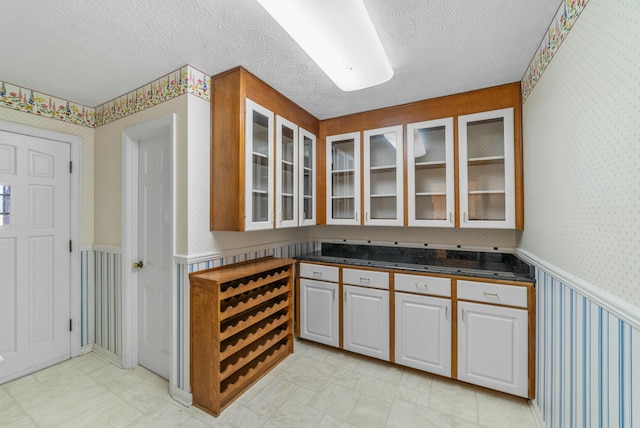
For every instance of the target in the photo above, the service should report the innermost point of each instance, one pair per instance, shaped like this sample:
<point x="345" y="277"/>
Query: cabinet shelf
<point x="260" y="155"/>
<point x="486" y="192"/>
<point x="342" y="171"/>
<point x="259" y="192"/>
<point x="383" y="168"/>
<point x="384" y="195"/>
<point x="431" y="194"/>
<point x="430" y="165"/>
<point x="241" y="327"/>
<point x="489" y="160"/>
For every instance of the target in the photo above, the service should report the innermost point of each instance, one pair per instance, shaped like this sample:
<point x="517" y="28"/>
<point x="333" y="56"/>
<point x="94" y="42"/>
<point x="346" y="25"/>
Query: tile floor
<point x="314" y="387"/>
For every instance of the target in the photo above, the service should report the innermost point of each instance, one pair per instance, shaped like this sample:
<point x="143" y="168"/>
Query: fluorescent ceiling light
<point x="339" y="36"/>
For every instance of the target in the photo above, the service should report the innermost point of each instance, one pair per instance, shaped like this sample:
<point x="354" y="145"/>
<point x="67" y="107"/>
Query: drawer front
<point x="366" y="278"/>
<point x="485" y="292"/>
<point x="319" y="272"/>
<point x="423" y="284"/>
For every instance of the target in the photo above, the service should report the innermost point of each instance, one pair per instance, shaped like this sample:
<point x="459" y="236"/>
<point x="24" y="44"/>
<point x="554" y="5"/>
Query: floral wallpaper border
<point x="185" y="80"/>
<point x="567" y="14"/>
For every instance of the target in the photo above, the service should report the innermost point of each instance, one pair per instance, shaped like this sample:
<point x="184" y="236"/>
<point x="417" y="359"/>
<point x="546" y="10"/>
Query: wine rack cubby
<point x="241" y="327"/>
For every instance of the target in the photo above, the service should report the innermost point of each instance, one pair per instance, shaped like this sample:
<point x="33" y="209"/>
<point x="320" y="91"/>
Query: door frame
<point x="130" y="146"/>
<point x="75" y="217"/>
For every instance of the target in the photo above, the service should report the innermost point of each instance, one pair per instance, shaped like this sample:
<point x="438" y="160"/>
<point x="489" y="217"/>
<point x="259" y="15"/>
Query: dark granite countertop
<point x="478" y="264"/>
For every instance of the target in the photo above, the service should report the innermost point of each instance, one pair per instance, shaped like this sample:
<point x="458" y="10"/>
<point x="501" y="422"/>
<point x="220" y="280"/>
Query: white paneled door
<point x="34" y="253"/>
<point x="154" y="250"/>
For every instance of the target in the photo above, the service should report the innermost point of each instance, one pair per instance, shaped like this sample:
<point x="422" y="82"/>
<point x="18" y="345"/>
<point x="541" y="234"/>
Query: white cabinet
<point x="430" y="172"/>
<point x="383" y="177"/>
<point x="343" y="179"/>
<point x="286" y="173"/>
<point x="319" y="311"/>
<point x="307" y="179"/>
<point x="259" y="143"/>
<point x="486" y="169"/>
<point x="423" y="333"/>
<point x="366" y="321"/>
<point x="493" y="347"/>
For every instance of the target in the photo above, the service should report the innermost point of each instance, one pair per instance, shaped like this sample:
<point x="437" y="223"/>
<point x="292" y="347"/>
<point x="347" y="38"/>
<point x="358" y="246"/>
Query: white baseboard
<point x="182" y="397"/>
<point x="107" y="355"/>
<point x="86" y="349"/>
<point x="536" y="414"/>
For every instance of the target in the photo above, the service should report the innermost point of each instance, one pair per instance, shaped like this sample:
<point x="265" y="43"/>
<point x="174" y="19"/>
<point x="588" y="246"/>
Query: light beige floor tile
<point x="108" y="373"/>
<point x="503" y="411"/>
<point x="257" y="389"/>
<point x="335" y="400"/>
<point x="369" y="412"/>
<point x="377" y="388"/>
<point x="343" y="360"/>
<point x="414" y="396"/>
<point x="332" y="422"/>
<point x="408" y="415"/>
<point x="240" y="417"/>
<point x="148" y="395"/>
<point x="345" y="377"/>
<point x="67" y="406"/>
<point x="125" y="379"/>
<point x="415" y="380"/>
<point x="17" y="386"/>
<point x="114" y="412"/>
<point x="39" y="393"/>
<point x="10" y="411"/>
<point x="169" y="415"/>
<point x="303" y="395"/>
<point x="293" y="414"/>
<point x="380" y="370"/>
<point x="307" y="372"/>
<point x="89" y="363"/>
<point x="275" y="395"/>
<point x="195" y="423"/>
<point x="454" y="399"/>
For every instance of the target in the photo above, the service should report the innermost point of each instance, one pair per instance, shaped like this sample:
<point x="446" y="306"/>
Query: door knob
<point x="138" y="265"/>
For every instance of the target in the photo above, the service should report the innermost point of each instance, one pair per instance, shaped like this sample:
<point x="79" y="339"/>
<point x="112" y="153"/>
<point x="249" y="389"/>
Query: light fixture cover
<point x="339" y="36"/>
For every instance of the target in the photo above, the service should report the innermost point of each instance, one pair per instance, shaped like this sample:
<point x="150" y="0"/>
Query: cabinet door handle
<point x="317" y="274"/>
<point x="364" y="280"/>
<point x="366" y="216"/>
<point x="465" y="217"/>
<point x="450" y="217"/>
<point x="422" y="285"/>
<point x="462" y="315"/>
<point x="356" y="216"/>
<point x="487" y="294"/>
<point x="333" y="294"/>
<point x="345" y="295"/>
<point x="446" y="312"/>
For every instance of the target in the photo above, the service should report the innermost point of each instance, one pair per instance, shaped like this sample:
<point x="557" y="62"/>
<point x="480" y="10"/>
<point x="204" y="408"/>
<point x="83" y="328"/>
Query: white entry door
<point x="34" y="253"/>
<point x="155" y="253"/>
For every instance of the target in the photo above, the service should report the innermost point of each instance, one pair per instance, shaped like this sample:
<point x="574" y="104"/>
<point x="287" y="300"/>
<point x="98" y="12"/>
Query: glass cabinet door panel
<point x="343" y="178"/>
<point x="307" y="165"/>
<point x="259" y="167"/>
<point x="486" y="166"/>
<point x="383" y="176"/>
<point x="430" y="174"/>
<point x="286" y="173"/>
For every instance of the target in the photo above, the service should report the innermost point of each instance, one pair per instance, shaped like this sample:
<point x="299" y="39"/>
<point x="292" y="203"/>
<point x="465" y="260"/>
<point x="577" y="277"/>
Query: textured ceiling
<point x="90" y="52"/>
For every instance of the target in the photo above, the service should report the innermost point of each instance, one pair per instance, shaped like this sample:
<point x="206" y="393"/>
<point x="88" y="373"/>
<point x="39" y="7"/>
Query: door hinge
<point x="70" y="246"/>
<point x="70" y="167"/>
<point x="70" y="324"/>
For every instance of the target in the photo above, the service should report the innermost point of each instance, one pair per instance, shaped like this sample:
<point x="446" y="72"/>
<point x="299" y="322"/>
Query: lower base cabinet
<point x="423" y="333"/>
<point x="319" y="320"/>
<point x="492" y="347"/>
<point x="366" y="321"/>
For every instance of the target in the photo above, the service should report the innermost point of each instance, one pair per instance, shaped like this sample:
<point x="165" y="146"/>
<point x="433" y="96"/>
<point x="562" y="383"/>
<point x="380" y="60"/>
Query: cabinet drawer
<point x="366" y="278"/>
<point x="423" y="284"/>
<point x="485" y="292"/>
<point x="319" y="272"/>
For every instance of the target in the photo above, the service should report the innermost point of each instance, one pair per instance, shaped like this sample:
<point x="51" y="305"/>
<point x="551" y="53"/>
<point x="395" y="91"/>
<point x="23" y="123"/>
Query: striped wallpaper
<point x="107" y="277"/>
<point x="588" y="360"/>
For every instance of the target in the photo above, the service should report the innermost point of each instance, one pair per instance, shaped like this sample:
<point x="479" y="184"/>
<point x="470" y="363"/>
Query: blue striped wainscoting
<point x="588" y="361"/>
<point x="108" y="300"/>
<point x="86" y="297"/>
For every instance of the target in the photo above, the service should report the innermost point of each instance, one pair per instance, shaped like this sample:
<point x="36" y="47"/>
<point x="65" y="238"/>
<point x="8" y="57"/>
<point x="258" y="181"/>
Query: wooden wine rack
<point x="241" y="327"/>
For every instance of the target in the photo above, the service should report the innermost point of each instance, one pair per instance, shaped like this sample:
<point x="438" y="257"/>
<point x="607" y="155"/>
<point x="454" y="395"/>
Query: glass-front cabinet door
<point x="307" y="171"/>
<point x="286" y="173"/>
<point x="258" y="209"/>
<point x="343" y="179"/>
<point x="430" y="172"/>
<point x="383" y="175"/>
<point x="486" y="169"/>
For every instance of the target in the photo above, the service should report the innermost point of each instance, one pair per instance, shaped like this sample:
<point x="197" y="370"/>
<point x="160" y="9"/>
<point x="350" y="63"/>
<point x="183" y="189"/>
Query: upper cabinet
<point x="430" y="173"/>
<point x="459" y="164"/>
<point x="259" y="174"/>
<point x="287" y="178"/>
<point x="263" y="156"/>
<point x="343" y="179"/>
<point x="486" y="168"/>
<point x="383" y="177"/>
<point x="307" y="180"/>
